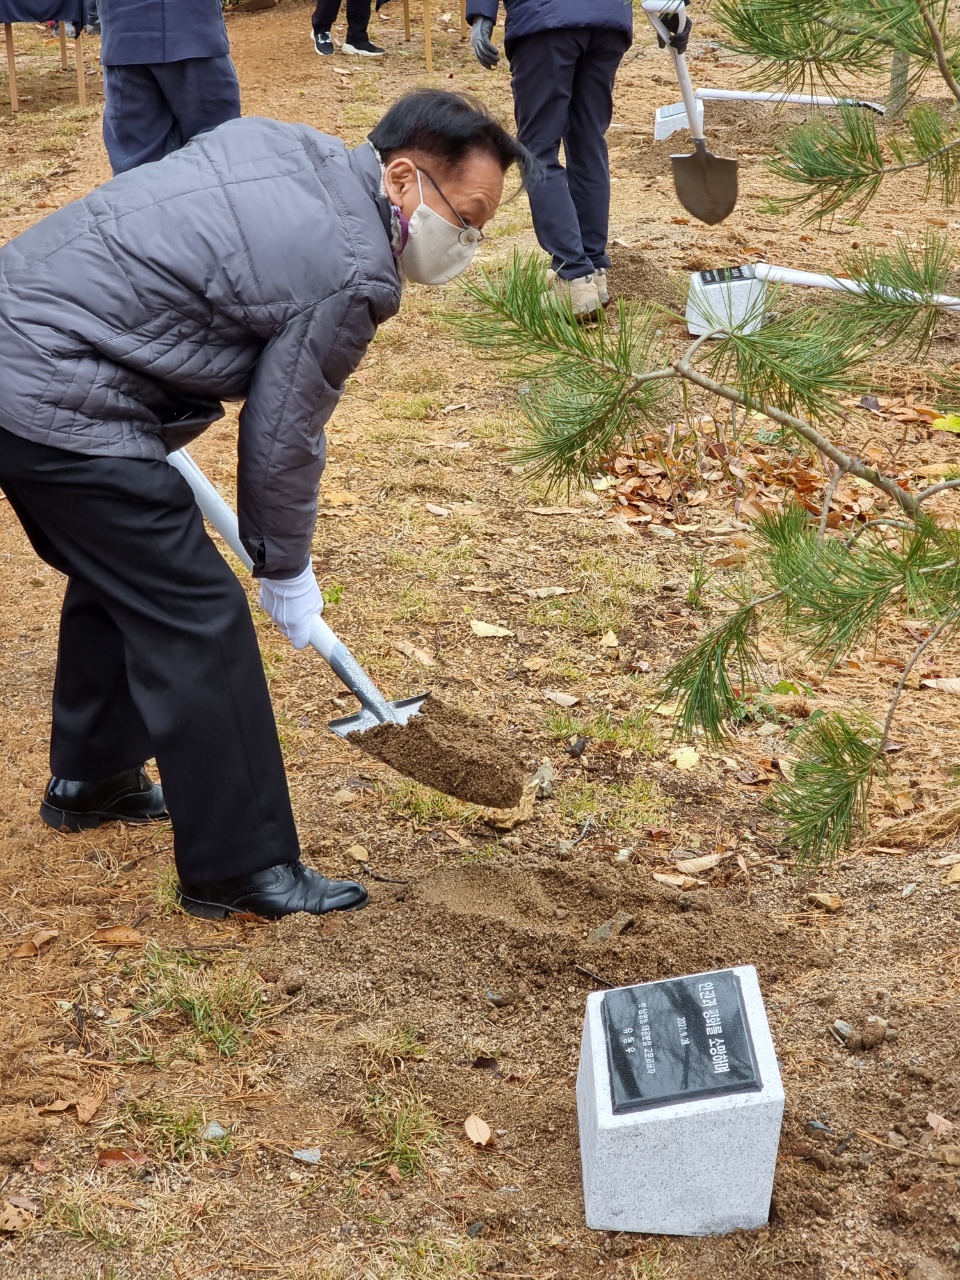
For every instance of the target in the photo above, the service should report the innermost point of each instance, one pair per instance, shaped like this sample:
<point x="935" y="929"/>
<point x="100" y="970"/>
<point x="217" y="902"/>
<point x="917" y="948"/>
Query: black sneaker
<point x="365" y="48"/>
<point x="323" y="43"/>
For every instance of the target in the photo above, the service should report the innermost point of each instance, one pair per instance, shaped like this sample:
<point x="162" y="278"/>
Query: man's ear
<point x="399" y="177"/>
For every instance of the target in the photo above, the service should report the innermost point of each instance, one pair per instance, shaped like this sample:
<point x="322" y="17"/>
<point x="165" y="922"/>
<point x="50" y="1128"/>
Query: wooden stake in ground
<point x="81" y="74"/>
<point x="11" y="66"/>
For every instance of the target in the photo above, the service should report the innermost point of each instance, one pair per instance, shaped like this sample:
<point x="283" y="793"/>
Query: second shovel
<point x="706" y="184"/>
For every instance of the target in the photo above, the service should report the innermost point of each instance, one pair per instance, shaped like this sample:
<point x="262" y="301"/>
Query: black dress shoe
<point x="129" y="796"/>
<point x="275" y="892"/>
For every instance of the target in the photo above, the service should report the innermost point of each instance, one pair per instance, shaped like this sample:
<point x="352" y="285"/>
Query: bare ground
<point x="366" y="1041"/>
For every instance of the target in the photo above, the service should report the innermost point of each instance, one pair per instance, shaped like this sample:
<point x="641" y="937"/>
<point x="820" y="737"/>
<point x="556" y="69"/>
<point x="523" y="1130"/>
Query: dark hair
<point x="448" y="126"/>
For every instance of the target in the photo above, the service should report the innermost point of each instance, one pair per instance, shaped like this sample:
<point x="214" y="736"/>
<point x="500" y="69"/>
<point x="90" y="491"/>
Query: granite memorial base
<point x="679" y="1102"/>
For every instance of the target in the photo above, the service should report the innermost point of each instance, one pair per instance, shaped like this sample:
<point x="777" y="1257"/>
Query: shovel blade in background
<point x="401" y="712"/>
<point x="706" y="184"/>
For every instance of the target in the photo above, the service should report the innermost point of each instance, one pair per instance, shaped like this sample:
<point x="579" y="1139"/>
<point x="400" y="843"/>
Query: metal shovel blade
<point x="400" y="712"/>
<point x="706" y="184"/>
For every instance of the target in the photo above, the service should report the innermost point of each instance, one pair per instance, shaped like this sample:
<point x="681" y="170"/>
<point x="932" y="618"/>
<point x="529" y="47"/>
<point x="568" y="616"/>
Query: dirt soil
<point x="182" y="1101"/>
<point x="449" y="750"/>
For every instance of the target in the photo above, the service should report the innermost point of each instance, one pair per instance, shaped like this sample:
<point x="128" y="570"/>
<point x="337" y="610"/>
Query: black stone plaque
<point x="678" y="1040"/>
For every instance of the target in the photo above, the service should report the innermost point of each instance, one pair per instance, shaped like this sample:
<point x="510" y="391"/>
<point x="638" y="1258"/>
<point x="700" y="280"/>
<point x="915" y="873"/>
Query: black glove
<point x="488" y="55"/>
<point x="679" y="35"/>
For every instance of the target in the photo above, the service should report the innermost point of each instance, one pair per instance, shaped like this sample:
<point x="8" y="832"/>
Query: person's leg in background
<point x="138" y="125"/>
<point x="200" y="92"/>
<point x="358" y="22"/>
<point x="324" y="16"/>
<point x="585" y="144"/>
<point x="133" y="533"/>
<point x="543" y="70"/>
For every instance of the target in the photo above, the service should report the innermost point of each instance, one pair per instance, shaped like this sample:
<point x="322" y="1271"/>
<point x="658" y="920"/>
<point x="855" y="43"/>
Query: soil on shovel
<point x="450" y="751"/>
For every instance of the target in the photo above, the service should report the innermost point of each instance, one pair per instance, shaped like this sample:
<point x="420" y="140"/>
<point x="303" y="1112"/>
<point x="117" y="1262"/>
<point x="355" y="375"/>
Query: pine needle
<point x="824" y="802"/>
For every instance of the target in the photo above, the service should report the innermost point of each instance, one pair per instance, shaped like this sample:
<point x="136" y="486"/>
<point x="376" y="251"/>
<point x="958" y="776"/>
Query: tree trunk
<point x="899" y="74"/>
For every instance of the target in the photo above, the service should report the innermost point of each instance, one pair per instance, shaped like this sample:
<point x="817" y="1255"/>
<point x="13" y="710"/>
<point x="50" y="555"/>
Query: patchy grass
<point x="389" y="1047"/>
<point x="403" y="1128"/>
<point x="423" y="805"/>
<point x="609" y="587"/>
<point x="415" y="603"/>
<point x="634" y="732"/>
<point x="625" y="806"/>
<point x="169" y="1133"/>
<point x="221" y="1003"/>
<point x="432" y="563"/>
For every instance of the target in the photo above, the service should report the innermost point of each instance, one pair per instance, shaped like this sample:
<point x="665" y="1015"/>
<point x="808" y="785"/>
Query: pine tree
<point x="820" y="44"/>
<point x="590" y="392"/>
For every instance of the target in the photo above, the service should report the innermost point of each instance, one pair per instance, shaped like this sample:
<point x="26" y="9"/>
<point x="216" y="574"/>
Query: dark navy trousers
<point x="563" y="92"/>
<point x="358" y="17"/>
<point x="155" y="108"/>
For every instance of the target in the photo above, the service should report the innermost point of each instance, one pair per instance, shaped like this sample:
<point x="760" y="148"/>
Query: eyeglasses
<point x="468" y="235"/>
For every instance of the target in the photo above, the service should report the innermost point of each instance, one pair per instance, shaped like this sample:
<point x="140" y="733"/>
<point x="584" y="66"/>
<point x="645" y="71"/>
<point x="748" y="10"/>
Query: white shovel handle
<point x="221" y="515"/>
<point x="652" y="8"/>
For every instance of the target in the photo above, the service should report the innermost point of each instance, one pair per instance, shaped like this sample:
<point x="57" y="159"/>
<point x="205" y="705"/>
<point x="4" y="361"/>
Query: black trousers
<point x="563" y="92"/>
<point x="358" y="17"/>
<point x="154" y="109"/>
<point x="158" y="655"/>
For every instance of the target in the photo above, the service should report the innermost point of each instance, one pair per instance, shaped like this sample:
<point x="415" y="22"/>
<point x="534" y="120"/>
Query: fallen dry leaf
<point x="507" y="819"/>
<point x="695" y="866"/>
<point x="435" y="510"/>
<point x="411" y="651"/>
<point x="477" y="1130"/>
<point x="674" y="882"/>
<point x="339" y="498"/>
<point x="60" y="1104"/>
<point x="533" y="664"/>
<point x="561" y="699"/>
<point x="13" y="1218"/>
<point x="393" y="1173"/>
<point x="947" y="1155"/>
<point x="118" y="935"/>
<point x="113" y="1156"/>
<point x="87" y="1108"/>
<point x="488" y="629"/>
<point x="547" y="593"/>
<point x="953" y="875"/>
<point x="609" y="641"/>
<point x="33" y="946"/>
<point x="940" y="1125"/>
<point x="945" y="686"/>
<point x="358" y="853"/>
<point x="685" y="757"/>
<point x="948" y="860"/>
<point x="556" y="511"/>
<point x="826" y="901"/>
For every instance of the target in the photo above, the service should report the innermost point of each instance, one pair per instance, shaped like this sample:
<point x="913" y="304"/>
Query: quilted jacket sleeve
<point x="295" y="389"/>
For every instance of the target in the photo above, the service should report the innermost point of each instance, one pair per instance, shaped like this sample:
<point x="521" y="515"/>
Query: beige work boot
<point x="581" y="294"/>
<point x="603" y="288"/>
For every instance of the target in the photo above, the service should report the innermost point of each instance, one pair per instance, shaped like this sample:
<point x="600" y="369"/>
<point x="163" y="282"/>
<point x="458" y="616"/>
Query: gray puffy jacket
<point x="255" y="262"/>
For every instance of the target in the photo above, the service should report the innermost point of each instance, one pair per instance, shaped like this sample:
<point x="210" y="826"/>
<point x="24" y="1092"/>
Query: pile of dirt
<point x="451" y="751"/>
<point x="636" y="278"/>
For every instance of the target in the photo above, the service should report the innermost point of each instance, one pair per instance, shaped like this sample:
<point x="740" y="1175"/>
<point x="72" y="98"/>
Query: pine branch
<point x="936" y="37"/>
<point x="848" y="464"/>
<point x="824" y="801"/>
<point x="897" y="305"/>
<point x="838" y="162"/>
<point x="700" y="682"/>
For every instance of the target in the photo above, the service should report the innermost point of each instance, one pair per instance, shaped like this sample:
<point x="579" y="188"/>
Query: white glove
<point x="292" y="604"/>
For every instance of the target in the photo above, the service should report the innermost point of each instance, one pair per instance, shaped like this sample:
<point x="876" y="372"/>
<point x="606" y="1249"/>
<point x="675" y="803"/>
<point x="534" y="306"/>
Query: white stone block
<point x="698" y="1166"/>
<point x="725" y="298"/>
<point x="672" y="118"/>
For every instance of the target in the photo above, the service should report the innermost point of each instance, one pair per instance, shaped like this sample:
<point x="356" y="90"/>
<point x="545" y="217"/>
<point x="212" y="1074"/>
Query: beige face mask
<point x="436" y="250"/>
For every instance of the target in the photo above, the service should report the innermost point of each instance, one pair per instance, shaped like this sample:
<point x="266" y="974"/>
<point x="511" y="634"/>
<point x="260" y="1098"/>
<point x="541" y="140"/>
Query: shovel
<point x="706" y="184"/>
<point x="374" y="707"/>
